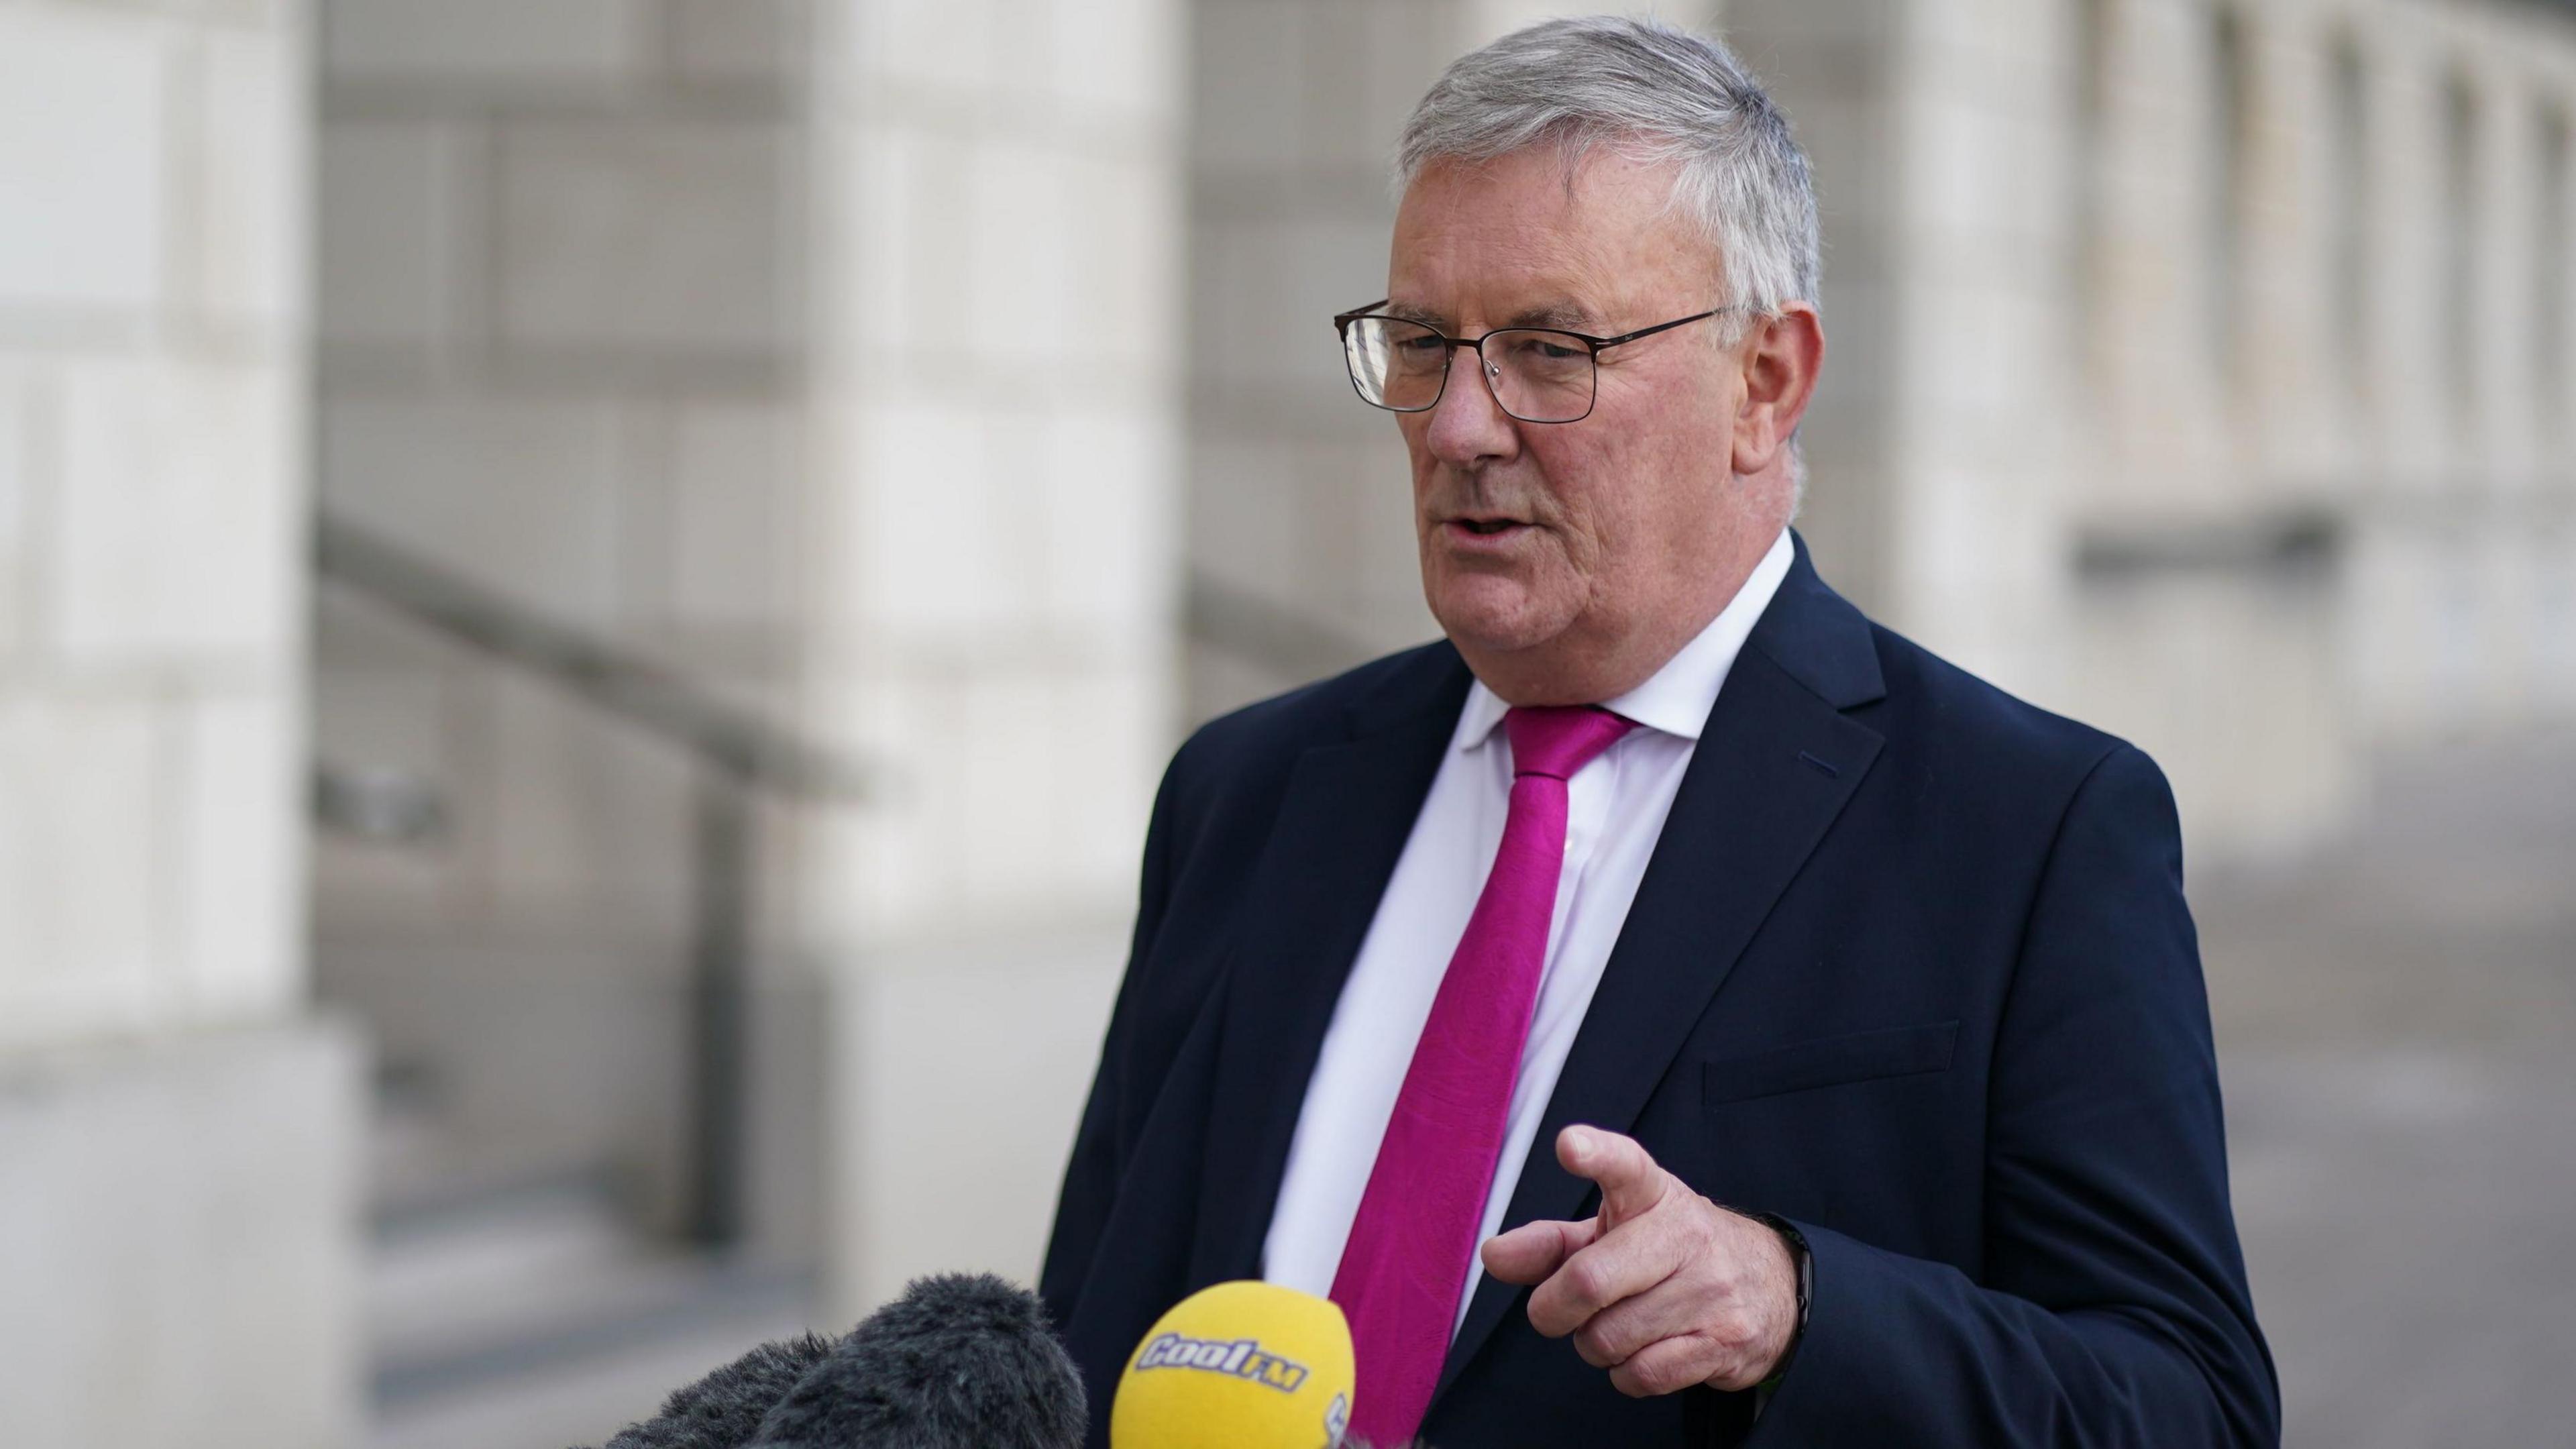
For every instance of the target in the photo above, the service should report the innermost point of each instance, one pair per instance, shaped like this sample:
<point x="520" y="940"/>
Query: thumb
<point x="1631" y="1184"/>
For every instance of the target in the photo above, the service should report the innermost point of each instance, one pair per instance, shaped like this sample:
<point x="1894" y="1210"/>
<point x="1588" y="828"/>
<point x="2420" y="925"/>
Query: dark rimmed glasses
<point x="1537" y="374"/>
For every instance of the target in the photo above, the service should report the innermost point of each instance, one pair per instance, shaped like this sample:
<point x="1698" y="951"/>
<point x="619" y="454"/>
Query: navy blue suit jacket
<point x="1910" y="967"/>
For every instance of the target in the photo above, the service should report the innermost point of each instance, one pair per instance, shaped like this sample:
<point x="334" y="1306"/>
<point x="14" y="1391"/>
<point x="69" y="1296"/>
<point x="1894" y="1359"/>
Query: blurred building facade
<point x="178" y="1133"/>
<point x="946" y="391"/>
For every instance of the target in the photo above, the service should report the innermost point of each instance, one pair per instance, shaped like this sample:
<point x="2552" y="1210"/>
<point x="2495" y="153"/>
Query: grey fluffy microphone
<point x="961" y="1361"/>
<point x="724" y="1409"/>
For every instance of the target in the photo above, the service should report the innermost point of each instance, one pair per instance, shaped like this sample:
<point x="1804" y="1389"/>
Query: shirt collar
<point x="1676" y="699"/>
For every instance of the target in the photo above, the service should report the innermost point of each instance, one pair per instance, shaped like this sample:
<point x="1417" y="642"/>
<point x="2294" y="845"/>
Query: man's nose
<point x="1467" y="426"/>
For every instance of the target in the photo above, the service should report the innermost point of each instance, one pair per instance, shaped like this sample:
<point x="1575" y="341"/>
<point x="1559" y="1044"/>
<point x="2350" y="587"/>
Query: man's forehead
<point x="1522" y="241"/>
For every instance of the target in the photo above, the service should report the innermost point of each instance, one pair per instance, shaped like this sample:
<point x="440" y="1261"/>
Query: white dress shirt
<point x="1615" y="809"/>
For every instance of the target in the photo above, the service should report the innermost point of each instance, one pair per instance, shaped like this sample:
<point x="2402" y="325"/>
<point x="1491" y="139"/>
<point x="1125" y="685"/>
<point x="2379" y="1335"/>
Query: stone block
<point x="83" y="925"/>
<point x="1121" y="728"/>
<point x="893" y="868"/>
<point x="1247" y="65"/>
<point x="17" y="490"/>
<point x="518" y="496"/>
<point x="1110" y="504"/>
<point x="490" y="41"/>
<point x="1001" y="1032"/>
<point x="1244" y="515"/>
<point x="1118" y="58"/>
<point x="939" y="45"/>
<point x="1125" y="241"/>
<point x="738" y="40"/>
<point x="178" y="527"/>
<point x="248" y="150"/>
<point x="911" y="244"/>
<point x="1366" y="64"/>
<point x="943" y="550"/>
<point x="1010" y="759"/>
<point x="583" y="818"/>
<point x="84" y="119"/>
<point x="666" y="239"/>
<point x="1271" y="289"/>
<point x="179" y="1230"/>
<point x="239" y="861"/>
<point x="392" y="234"/>
<point x="1021" y="232"/>
<point x="733" y="552"/>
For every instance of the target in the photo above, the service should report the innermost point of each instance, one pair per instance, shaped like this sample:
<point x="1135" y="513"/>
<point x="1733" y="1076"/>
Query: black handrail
<point x="738" y="751"/>
<point x="617" y="679"/>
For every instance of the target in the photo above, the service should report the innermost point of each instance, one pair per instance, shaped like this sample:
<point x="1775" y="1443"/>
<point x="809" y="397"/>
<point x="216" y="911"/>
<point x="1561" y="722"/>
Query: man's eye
<point x="1542" y="349"/>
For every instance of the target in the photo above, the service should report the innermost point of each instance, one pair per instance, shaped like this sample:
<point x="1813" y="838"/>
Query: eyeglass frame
<point x="1342" y="329"/>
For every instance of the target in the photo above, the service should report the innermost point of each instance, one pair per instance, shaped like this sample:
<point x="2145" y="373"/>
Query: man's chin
<point x="1493" y="616"/>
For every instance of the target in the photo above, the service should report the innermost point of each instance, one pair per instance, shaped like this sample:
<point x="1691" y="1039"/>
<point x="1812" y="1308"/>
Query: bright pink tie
<point x="1407" y="1257"/>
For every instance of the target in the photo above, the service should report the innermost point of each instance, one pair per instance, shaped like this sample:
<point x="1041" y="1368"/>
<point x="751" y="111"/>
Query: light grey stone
<point x="516" y="494"/>
<point x="484" y="41"/>
<point x="248" y="149"/>
<point x="176" y="528"/>
<point x="662" y="238"/>
<point x="84" y="921"/>
<point x="17" y="489"/>
<point x="178" y="1226"/>
<point x="84" y="122"/>
<point x="926" y="1021"/>
<point x="238" y="854"/>
<point x="733" y="556"/>
<point x="762" y="40"/>
<point x="392" y="233"/>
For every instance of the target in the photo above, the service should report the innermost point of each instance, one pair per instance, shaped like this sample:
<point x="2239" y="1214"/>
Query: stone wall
<point x="996" y="438"/>
<point x="827" y="351"/>
<point x="176" y="1204"/>
<point x="562" y="328"/>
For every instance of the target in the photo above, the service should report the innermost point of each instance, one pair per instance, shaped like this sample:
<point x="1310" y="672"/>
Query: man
<point x="1673" y="1009"/>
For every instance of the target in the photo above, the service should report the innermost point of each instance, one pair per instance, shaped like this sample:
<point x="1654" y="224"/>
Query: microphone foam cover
<point x="1243" y="1365"/>
<point x="960" y="1361"/>
<point x="722" y="1410"/>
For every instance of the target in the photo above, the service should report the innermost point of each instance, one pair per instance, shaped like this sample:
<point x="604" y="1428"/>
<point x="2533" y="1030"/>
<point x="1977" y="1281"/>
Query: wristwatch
<point x="1797" y="1242"/>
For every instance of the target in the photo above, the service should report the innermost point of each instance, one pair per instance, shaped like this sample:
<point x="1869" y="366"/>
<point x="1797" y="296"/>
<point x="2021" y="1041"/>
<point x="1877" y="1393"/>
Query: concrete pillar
<point x="998" y="346"/>
<point x="177" y="1143"/>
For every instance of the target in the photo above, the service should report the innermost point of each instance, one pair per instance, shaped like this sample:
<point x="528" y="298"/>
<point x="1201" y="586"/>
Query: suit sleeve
<point x="1091" y="1176"/>
<point x="2112" y="1308"/>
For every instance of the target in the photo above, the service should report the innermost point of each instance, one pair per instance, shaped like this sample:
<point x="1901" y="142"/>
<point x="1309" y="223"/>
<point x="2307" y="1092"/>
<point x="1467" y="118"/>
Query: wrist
<point x="1802" y="1275"/>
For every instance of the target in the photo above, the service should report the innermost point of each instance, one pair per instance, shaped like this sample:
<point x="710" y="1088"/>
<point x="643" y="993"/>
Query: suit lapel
<point x="1349" y="807"/>
<point x="1752" y="806"/>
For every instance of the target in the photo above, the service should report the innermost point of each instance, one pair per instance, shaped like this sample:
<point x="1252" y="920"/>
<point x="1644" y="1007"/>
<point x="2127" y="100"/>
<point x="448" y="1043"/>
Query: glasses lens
<point x="1396" y="364"/>
<point x="1540" y="376"/>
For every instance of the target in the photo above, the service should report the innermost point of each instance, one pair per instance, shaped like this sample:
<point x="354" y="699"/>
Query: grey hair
<point x="1653" y="93"/>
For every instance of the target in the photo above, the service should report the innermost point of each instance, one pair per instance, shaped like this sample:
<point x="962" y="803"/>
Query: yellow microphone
<point x="1242" y="1365"/>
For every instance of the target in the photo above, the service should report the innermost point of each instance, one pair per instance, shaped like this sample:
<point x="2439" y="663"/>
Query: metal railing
<point x="737" y="753"/>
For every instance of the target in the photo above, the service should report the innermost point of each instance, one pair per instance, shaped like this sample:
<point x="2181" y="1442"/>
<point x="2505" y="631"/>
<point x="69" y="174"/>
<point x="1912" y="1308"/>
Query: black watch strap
<point x="1797" y="1242"/>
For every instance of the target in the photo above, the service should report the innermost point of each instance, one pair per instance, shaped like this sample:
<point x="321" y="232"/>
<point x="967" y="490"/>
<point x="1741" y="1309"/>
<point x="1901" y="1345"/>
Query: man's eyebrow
<point x="1560" y="313"/>
<point x="1554" y="314"/>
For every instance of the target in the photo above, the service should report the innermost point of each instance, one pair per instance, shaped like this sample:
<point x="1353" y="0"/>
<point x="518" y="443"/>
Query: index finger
<point x="1631" y="1182"/>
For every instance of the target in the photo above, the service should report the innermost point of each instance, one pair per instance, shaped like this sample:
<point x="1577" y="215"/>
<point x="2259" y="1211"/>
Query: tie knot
<point x="1557" y="740"/>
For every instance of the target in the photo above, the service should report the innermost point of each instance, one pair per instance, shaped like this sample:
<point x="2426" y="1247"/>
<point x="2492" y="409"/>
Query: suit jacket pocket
<point x="1828" y="1062"/>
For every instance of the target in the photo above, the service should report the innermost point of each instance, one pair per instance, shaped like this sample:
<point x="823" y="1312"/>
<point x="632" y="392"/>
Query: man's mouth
<point x="1488" y="525"/>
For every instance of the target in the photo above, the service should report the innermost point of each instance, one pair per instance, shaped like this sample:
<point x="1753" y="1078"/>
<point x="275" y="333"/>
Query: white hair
<point x="1653" y="93"/>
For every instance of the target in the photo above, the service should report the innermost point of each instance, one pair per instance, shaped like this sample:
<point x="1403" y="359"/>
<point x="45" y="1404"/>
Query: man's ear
<point x="1781" y="356"/>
